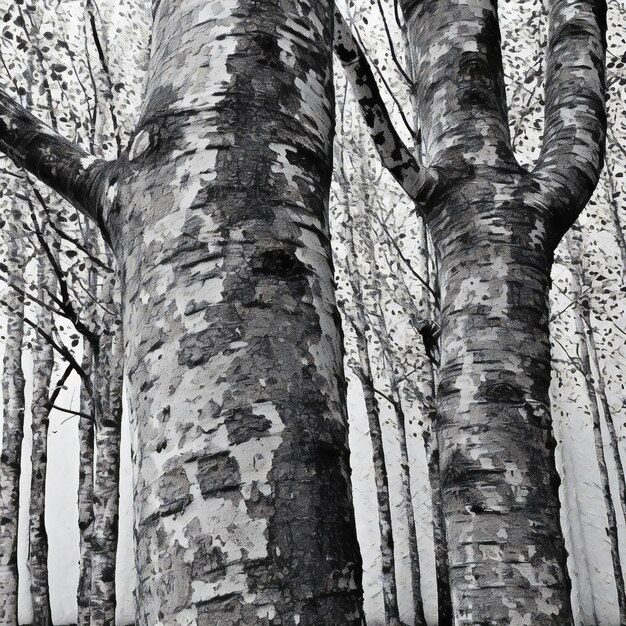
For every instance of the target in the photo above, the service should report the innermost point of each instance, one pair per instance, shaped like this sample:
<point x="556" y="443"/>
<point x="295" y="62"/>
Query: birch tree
<point x="217" y="218"/>
<point x="495" y="225"/>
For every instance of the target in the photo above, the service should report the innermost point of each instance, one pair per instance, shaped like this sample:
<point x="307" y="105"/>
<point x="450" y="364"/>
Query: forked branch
<point x="575" y="120"/>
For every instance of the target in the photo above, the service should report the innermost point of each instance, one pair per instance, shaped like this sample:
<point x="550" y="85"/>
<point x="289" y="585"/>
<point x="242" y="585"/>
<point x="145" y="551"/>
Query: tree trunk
<point x="407" y="499"/>
<point x="598" y="405"/>
<point x="12" y="431"/>
<point x="85" y="487"/>
<point x="108" y="382"/>
<point x="363" y="372"/>
<point x="495" y="226"/>
<point x="243" y="512"/>
<point x="499" y="481"/>
<point x="43" y="365"/>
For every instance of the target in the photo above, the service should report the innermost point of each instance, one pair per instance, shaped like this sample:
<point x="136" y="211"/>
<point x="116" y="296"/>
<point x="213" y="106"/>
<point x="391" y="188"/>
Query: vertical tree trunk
<point x="598" y="403"/>
<point x="43" y="365"/>
<point x="363" y="372"/>
<point x="85" y="487"/>
<point x="407" y="499"/>
<point x="12" y="431"/>
<point x="242" y="497"/>
<point x="495" y="226"/>
<point x="507" y="557"/>
<point x="108" y="382"/>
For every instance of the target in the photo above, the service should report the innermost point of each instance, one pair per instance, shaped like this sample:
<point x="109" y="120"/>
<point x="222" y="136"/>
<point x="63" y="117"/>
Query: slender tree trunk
<point x="12" y="432"/>
<point x="407" y="499"/>
<point x="43" y="365"/>
<point x="364" y="374"/>
<point x="431" y="445"/>
<point x="85" y="488"/>
<point x="108" y="382"/>
<point x="598" y="403"/>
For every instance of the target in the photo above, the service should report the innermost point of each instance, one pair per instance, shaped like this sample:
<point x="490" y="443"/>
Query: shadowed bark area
<point x="242" y="499"/>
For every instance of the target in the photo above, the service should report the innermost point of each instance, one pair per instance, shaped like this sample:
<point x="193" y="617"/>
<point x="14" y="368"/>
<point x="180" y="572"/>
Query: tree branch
<point x="417" y="181"/>
<point x="575" y="119"/>
<point x="79" y="177"/>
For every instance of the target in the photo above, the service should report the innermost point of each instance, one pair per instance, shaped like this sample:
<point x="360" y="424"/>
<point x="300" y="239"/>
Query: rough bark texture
<point x="108" y="383"/>
<point x="12" y="434"/>
<point x="495" y="227"/>
<point x="85" y="488"/>
<point x="43" y="365"/>
<point x="218" y="216"/>
<point x="242" y="499"/>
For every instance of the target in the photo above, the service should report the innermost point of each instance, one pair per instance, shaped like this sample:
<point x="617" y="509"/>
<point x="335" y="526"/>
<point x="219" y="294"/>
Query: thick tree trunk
<point x="12" y="433"/>
<point x="495" y="227"/>
<point x="242" y="499"/>
<point x="43" y="365"/>
<point x="218" y="217"/>
<point x="499" y="481"/>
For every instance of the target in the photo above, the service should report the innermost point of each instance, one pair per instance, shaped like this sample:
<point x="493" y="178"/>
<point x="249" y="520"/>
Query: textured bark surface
<point x="43" y="365"/>
<point x="495" y="227"/>
<point x="12" y="434"/>
<point x="242" y="498"/>
<point x="499" y="483"/>
<point x="108" y="383"/>
<point x="85" y="488"/>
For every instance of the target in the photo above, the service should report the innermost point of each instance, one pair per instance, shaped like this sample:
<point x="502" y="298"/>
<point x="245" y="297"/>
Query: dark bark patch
<point x="281" y="263"/>
<point x="173" y="492"/>
<point x="243" y="425"/>
<point x="218" y="474"/>
<point x="501" y="392"/>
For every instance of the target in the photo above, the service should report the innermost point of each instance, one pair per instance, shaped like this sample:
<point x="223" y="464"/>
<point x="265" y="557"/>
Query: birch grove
<point x="210" y="208"/>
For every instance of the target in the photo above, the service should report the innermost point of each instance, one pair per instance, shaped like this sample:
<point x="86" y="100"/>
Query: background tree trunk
<point x="13" y="384"/>
<point x="43" y="365"/>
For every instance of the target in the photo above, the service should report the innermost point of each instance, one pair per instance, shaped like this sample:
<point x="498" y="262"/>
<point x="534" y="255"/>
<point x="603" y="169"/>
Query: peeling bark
<point x="43" y="365"/>
<point x="12" y="433"/>
<point x="242" y="508"/>
<point x="218" y="217"/>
